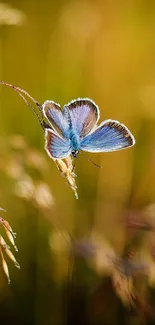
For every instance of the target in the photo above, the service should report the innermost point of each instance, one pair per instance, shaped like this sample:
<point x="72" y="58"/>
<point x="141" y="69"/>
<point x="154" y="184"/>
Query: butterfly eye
<point x="75" y="153"/>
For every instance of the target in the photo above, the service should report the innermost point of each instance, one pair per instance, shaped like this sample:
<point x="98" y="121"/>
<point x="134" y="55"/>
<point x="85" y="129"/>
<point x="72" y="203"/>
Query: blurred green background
<point x="61" y="50"/>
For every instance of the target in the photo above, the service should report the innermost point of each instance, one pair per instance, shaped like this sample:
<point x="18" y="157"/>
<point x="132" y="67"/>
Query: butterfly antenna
<point x="94" y="163"/>
<point x="20" y="92"/>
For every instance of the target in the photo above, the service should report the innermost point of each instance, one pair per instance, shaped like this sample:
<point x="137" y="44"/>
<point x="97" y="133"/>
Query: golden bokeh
<point x="75" y="254"/>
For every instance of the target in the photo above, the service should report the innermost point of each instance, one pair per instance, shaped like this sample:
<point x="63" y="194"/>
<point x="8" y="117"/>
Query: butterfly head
<point x="75" y="153"/>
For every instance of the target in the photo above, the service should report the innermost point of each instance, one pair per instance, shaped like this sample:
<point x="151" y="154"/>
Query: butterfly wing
<point x="110" y="135"/>
<point x="83" y="114"/>
<point x="52" y="111"/>
<point x="56" y="146"/>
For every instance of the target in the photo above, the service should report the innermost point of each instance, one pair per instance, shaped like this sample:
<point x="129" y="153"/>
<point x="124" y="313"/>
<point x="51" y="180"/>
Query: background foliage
<point x="61" y="50"/>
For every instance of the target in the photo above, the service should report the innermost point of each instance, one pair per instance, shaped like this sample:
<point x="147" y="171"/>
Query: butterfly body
<point x="74" y="140"/>
<point x="75" y="128"/>
<point x="71" y="133"/>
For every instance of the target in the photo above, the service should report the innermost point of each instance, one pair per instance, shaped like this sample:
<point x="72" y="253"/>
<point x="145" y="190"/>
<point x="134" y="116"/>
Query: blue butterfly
<point x="75" y="128"/>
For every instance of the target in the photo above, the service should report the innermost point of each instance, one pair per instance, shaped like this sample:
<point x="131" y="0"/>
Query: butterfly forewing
<point x="52" y="111"/>
<point x="110" y="135"/>
<point x="83" y="114"/>
<point x="56" y="146"/>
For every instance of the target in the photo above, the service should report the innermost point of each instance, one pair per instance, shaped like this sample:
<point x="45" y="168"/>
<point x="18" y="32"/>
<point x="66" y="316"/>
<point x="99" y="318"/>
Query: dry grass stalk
<point x="66" y="168"/>
<point x="3" y="246"/>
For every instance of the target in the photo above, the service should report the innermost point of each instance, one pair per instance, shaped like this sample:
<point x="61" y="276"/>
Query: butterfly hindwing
<point x="83" y="115"/>
<point x="56" y="146"/>
<point x="109" y="136"/>
<point x="52" y="111"/>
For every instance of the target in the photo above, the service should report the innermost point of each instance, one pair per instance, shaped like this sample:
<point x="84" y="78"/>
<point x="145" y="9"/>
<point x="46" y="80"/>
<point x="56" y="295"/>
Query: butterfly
<point x="75" y="128"/>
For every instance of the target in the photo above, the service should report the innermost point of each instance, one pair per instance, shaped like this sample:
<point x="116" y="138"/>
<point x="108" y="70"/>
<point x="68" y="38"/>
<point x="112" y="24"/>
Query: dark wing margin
<point x="56" y="146"/>
<point x="110" y="135"/>
<point x="83" y="114"/>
